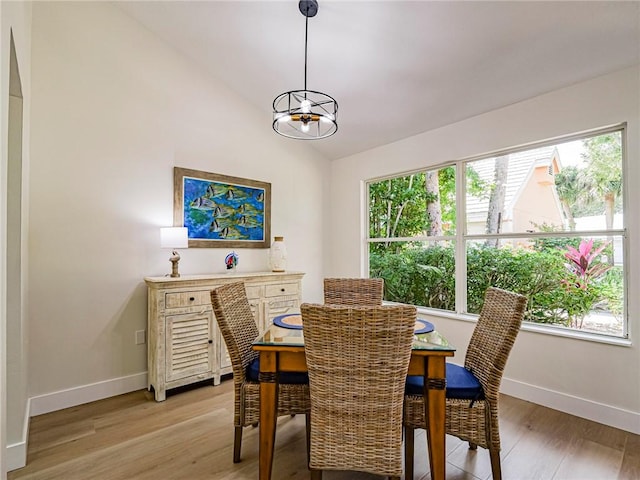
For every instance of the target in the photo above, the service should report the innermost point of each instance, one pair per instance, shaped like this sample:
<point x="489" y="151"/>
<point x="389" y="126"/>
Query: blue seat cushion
<point x="461" y="383"/>
<point x="253" y="371"/>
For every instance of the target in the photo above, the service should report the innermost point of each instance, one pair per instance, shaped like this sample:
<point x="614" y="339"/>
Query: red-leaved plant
<point x="585" y="270"/>
<point x="582" y="262"/>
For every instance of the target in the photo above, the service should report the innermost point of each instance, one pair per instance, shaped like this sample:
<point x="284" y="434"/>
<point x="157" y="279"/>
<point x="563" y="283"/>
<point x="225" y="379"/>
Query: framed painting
<point x="220" y="211"/>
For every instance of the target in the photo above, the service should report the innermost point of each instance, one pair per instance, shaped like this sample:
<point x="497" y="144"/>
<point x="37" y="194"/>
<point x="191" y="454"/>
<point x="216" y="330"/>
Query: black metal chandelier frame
<point x="305" y="114"/>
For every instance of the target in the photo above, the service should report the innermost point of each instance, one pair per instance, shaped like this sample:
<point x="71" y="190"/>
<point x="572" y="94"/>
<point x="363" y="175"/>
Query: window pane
<point x="547" y="222"/>
<point x="417" y="273"/>
<point x="571" y="186"/>
<point x="420" y="204"/>
<point x="571" y="282"/>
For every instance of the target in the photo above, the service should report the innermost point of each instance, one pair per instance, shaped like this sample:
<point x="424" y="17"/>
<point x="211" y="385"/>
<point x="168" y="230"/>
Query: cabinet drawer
<point x="186" y="299"/>
<point x="281" y="289"/>
<point x="253" y="291"/>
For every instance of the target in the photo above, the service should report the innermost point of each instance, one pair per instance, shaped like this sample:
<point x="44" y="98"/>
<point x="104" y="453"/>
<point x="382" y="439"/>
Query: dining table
<point x="281" y="349"/>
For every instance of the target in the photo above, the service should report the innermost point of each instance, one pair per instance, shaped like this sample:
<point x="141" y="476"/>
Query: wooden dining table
<point x="282" y="350"/>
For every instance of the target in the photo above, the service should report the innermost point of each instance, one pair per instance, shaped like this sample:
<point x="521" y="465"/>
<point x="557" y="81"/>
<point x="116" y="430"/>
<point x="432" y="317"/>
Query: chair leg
<point x="237" y="444"/>
<point x="316" y="474"/>
<point x="496" y="470"/>
<point x="473" y="446"/>
<point x="307" y="420"/>
<point x="394" y="478"/>
<point x="409" y="438"/>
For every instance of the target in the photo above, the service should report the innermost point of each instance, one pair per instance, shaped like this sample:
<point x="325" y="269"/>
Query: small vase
<point x="278" y="255"/>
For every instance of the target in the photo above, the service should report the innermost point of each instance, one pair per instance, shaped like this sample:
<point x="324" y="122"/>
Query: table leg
<point x="435" y="411"/>
<point x="268" y="412"/>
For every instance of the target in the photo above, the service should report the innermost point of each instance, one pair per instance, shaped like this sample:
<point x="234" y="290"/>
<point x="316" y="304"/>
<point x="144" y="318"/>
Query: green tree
<point x="417" y="204"/>
<point x="441" y="201"/>
<point x="434" y="209"/>
<point x="604" y="172"/>
<point x="570" y="187"/>
<point x="396" y="207"/>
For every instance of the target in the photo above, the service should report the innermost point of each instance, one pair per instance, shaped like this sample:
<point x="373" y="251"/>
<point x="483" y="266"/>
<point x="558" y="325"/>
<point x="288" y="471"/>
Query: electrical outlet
<point x="141" y="337"/>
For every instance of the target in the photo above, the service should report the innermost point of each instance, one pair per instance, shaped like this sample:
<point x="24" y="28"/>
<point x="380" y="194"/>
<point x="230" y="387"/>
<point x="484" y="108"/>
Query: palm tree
<point x="570" y="188"/>
<point x="604" y="171"/>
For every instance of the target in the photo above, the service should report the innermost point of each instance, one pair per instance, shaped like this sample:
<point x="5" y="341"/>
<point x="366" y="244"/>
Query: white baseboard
<point x="51" y="402"/>
<point x="598" y="412"/>
<point x="17" y="452"/>
<point x="16" y="456"/>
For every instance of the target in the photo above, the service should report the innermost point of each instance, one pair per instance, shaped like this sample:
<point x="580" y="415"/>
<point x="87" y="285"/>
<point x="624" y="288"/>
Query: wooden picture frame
<point x="220" y="211"/>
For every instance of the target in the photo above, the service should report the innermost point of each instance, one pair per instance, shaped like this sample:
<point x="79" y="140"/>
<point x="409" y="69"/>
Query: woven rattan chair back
<point x="357" y="359"/>
<point x="353" y="291"/>
<point x="476" y="421"/>
<point x="238" y="327"/>
<point x="493" y="338"/>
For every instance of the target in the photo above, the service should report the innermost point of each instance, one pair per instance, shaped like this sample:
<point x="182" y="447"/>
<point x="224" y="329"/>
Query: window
<point x="547" y="222"/>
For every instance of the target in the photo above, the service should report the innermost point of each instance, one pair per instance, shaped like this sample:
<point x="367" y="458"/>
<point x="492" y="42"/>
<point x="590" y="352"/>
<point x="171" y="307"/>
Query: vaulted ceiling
<point x="398" y="68"/>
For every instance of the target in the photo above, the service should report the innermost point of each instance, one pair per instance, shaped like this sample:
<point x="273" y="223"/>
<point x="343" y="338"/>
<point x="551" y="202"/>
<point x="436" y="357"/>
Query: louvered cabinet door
<point x="189" y="346"/>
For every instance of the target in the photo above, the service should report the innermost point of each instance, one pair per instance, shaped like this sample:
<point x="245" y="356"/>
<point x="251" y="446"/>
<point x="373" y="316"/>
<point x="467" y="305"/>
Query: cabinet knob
<point x="282" y="289"/>
<point x="191" y="299"/>
<point x="210" y="341"/>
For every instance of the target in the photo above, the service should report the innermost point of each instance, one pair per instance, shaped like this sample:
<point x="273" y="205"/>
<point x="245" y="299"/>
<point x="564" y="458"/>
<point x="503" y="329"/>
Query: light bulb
<point x="305" y="127"/>
<point x="305" y="106"/>
<point x="284" y="117"/>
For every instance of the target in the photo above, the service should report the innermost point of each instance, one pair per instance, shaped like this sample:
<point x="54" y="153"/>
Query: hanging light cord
<point x="306" y="34"/>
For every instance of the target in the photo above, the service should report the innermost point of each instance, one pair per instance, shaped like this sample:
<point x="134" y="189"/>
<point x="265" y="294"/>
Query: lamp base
<point x="174" y="259"/>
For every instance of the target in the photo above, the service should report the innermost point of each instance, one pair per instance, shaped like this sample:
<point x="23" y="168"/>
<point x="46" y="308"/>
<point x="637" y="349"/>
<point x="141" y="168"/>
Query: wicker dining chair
<point x="353" y="291"/>
<point x="357" y="359"/>
<point x="239" y="330"/>
<point x="472" y="391"/>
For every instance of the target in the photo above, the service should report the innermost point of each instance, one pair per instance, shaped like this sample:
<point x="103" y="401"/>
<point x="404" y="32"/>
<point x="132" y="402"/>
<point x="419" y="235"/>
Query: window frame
<point x="462" y="237"/>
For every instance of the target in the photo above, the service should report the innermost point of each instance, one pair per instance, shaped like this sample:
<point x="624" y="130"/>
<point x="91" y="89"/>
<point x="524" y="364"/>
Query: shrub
<point x="425" y="276"/>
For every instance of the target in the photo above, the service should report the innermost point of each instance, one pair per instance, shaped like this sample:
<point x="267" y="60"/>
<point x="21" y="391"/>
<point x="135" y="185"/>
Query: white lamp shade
<point x="174" y="237"/>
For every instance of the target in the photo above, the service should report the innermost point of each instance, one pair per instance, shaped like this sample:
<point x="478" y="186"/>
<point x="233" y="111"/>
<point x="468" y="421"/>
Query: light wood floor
<point x="189" y="437"/>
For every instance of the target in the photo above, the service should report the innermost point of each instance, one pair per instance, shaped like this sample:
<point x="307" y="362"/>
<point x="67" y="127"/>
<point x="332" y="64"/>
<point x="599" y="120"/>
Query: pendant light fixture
<point x="305" y="114"/>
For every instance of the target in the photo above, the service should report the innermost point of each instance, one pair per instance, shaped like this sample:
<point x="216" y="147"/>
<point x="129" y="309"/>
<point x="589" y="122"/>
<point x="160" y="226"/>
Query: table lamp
<point x="174" y="237"/>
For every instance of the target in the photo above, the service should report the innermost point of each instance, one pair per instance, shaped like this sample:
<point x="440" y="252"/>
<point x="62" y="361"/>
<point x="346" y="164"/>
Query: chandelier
<point x="305" y="114"/>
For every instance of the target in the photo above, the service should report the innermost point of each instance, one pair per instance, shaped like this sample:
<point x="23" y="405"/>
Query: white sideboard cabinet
<point x="184" y="343"/>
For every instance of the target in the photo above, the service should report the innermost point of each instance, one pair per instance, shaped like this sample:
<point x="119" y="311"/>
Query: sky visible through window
<point x="570" y="153"/>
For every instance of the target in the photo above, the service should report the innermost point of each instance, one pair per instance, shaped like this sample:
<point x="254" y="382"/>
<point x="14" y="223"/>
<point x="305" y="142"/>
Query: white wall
<point x="15" y="18"/>
<point x="114" y="110"/>
<point x="595" y="380"/>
